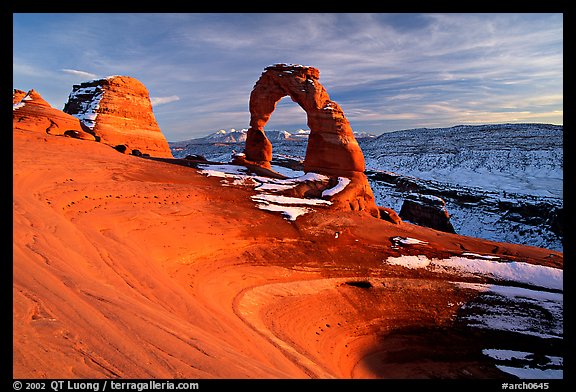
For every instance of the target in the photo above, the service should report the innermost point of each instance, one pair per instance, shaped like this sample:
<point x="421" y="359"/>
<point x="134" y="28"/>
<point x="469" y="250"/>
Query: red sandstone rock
<point x="118" y="110"/>
<point x="258" y="147"/>
<point x="17" y="96"/>
<point x="32" y="113"/>
<point x="332" y="148"/>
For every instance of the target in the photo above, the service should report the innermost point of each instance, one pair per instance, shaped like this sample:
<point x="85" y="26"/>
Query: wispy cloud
<point x="163" y="100"/>
<point x="82" y="74"/>
<point x="28" y="70"/>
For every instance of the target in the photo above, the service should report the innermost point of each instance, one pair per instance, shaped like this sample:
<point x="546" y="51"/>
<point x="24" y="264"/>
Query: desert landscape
<point x="129" y="263"/>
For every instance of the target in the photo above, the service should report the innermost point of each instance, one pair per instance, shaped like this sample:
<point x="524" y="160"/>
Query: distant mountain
<point x="219" y="145"/>
<point x="501" y="182"/>
<point x="239" y="136"/>
<point x="222" y="136"/>
<point x="522" y="158"/>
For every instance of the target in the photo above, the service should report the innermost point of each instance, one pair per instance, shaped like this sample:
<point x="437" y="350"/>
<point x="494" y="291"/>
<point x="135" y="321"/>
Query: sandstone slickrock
<point x="32" y="113"/>
<point x="117" y="109"/>
<point x="426" y="210"/>
<point x="332" y="148"/>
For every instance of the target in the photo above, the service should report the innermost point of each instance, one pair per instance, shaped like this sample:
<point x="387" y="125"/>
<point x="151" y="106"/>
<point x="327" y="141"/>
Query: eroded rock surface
<point x="118" y="111"/>
<point x="32" y="113"/>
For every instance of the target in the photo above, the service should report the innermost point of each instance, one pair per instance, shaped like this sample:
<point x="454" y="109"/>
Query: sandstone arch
<point x="332" y="148"/>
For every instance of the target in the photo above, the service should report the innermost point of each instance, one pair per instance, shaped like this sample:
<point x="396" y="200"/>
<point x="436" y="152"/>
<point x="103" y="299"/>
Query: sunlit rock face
<point x="17" y="96"/>
<point x="118" y="111"/>
<point x="32" y="113"/>
<point x="332" y="148"/>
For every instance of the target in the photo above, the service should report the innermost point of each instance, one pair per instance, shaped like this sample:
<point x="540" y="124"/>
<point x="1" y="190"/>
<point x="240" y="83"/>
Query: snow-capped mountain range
<point x="502" y="182"/>
<point x="239" y="136"/>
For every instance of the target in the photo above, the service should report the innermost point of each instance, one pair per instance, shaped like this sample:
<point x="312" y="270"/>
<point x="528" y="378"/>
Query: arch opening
<point x="287" y="116"/>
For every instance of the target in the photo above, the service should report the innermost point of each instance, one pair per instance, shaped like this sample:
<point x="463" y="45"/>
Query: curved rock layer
<point x="32" y="113"/>
<point x="118" y="111"/>
<point x="332" y="148"/>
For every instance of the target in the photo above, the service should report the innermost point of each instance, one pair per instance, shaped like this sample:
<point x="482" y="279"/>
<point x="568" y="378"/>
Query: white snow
<point x="290" y="212"/>
<point x="290" y="207"/>
<point x="277" y="199"/>
<point x="511" y="291"/>
<point x="281" y="139"/>
<point x="222" y="170"/>
<point x="407" y="241"/>
<point x="89" y="109"/>
<point x="434" y="200"/>
<point x="528" y="312"/>
<point x="528" y="373"/>
<point x="312" y="177"/>
<point x="535" y="275"/>
<point x="411" y="262"/>
<point x="480" y="256"/>
<point x="20" y="104"/>
<point x="274" y="187"/>
<point x="287" y="172"/>
<point x="506" y="355"/>
<point x="342" y="183"/>
<point x="514" y="170"/>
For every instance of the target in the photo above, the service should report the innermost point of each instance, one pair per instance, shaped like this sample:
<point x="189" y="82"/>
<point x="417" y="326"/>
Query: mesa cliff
<point x="118" y="111"/>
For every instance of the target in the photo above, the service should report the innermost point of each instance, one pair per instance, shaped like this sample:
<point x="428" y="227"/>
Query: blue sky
<point x="387" y="71"/>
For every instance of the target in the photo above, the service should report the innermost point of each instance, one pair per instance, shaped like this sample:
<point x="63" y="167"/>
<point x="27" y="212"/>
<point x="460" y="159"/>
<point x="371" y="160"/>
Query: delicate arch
<point x="332" y="148"/>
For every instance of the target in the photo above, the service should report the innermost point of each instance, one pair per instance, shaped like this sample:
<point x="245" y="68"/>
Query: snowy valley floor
<point x="132" y="268"/>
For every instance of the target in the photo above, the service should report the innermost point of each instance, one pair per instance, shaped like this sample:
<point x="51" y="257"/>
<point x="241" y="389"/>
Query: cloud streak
<point x="156" y="101"/>
<point x="78" y="73"/>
